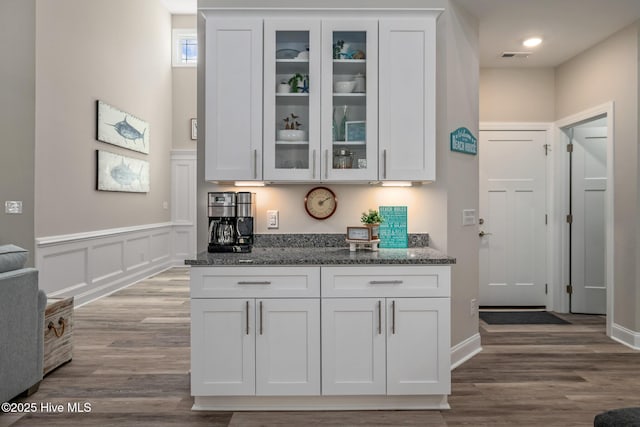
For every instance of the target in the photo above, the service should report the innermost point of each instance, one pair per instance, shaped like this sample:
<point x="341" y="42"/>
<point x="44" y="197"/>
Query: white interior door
<point x="512" y="209"/>
<point x="588" y="194"/>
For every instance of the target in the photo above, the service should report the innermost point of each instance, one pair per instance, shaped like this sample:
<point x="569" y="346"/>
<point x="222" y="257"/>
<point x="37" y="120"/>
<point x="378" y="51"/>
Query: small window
<point x="185" y="48"/>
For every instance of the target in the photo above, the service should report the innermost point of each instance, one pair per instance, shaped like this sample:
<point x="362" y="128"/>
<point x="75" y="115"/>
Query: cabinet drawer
<point x="386" y="281"/>
<point x="255" y="282"/>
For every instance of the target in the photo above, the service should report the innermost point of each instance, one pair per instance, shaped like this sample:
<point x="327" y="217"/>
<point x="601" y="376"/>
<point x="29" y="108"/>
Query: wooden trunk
<point x="58" y="333"/>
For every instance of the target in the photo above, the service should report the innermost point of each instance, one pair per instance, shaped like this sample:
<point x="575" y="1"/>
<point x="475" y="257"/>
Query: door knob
<point x="482" y="234"/>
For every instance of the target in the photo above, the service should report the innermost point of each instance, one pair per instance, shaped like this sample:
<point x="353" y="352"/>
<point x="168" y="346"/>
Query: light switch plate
<point x="13" y="207"/>
<point x="272" y="219"/>
<point x="468" y="217"/>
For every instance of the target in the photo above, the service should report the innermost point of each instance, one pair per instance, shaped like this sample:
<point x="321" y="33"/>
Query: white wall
<point x="517" y="95"/>
<point x="119" y="52"/>
<point x="17" y="119"/>
<point x="609" y="72"/>
<point x="90" y="242"/>
<point x="457" y="179"/>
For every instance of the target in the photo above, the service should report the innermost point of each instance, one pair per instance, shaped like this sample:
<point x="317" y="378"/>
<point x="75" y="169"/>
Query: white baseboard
<point x="91" y="265"/>
<point x="625" y="336"/>
<point x="465" y="350"/>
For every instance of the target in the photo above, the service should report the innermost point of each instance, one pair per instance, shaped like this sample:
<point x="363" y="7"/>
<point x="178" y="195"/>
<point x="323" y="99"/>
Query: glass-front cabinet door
<point x="292" y="99"/>
<point x="349" y="100"/>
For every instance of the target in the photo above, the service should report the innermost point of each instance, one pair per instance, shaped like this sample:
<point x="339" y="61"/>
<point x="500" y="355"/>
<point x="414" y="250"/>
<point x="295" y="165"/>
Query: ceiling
<point x="567" y="27"/>
<point x="181" y="7"/>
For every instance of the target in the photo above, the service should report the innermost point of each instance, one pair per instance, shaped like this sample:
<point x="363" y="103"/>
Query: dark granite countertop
<point x="318" y="254"/>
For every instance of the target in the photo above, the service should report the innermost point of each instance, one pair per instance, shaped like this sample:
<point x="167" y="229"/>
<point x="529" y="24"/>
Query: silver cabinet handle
<point x="384" y="163"/>
<point x="313" y="172"/>
<point x="247" y="318"/>
<point x="260" y="317"/>
<point x="482" y="234"/>
<point x="265" y="282"/>
<point x="326" y="164"/>
<point x="393" y="317"/>
<point x="386" y="282"/>
<point x="255" y="164"/>
<point x="379" y="317"/>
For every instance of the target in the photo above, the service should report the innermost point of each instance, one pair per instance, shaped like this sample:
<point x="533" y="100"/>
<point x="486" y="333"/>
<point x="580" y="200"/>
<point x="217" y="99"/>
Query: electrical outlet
<point x="272" y="219"/>
<point x="473" y="307"/>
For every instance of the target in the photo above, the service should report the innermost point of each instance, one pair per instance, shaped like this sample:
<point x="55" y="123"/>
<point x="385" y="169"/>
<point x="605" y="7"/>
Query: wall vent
<point x="515" y="54"/>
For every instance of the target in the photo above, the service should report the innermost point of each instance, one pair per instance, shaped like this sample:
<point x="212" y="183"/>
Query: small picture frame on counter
<point x="360" y="233"/>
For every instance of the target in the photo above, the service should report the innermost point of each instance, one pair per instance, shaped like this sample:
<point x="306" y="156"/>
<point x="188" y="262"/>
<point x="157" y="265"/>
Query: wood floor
<point x="131" y="364"/>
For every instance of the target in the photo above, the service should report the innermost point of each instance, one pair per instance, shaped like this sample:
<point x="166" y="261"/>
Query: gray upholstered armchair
<point x="22" y="307"/>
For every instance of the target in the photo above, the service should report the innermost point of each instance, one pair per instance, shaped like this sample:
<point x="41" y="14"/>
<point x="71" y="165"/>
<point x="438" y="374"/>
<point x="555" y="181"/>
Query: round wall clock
<point x="320" y="202"/>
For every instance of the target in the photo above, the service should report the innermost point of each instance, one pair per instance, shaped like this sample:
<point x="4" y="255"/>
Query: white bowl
<point x="344" y="87"/>
<point x="291" y="135"/>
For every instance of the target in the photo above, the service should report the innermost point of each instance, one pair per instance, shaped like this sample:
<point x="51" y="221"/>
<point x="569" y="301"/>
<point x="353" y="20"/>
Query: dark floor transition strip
<point x="520" y="318"/>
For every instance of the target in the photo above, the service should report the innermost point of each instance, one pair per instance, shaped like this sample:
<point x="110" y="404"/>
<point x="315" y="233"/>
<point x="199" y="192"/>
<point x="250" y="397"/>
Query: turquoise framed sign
<point x="393" y="230"/>
<point x="463" y="141"/>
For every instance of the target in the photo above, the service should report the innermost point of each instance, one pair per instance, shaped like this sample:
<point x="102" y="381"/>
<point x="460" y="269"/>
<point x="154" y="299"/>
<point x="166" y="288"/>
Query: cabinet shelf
<point x="349" y="66"/>
<point x="291" y="66"/>
<point x="349" y="61"/>
<point x="292" y="99"/>
<point x="349" y="142"/>
<point x="281" y="142"/>
<point x="349" y="99"/>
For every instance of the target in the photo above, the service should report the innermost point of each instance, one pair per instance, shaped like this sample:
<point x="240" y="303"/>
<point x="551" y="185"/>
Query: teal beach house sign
<point x="463" y="141"/>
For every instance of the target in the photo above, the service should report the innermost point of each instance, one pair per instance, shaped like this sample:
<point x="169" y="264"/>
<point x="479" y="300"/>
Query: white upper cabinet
<point x="292" y="99"/>
<point x="349" y="100"/>
<point x="407" y="106"/>
<point x="233" y="91"/>
<point x="331" y="96"/>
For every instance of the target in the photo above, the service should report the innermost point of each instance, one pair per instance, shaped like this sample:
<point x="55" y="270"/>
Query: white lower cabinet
<point x="348" y="333"/>
<point x="288" y="347"/>
<point x="418" y="349"/>
<point x="393" y="346"/>
<point x="255" y="347"/>
<point x="223" y="348"/>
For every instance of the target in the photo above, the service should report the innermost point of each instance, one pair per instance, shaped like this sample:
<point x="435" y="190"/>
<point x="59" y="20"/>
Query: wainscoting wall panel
<point x="183" y="202"/>
<point x="107" y="260"/>
<point x="91" y="265"/>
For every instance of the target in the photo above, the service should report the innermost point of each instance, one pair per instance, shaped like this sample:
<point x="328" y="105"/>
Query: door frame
<point x="561" y="168"/>
<point x="557" y="233"/>
<point x="548" y="129"/>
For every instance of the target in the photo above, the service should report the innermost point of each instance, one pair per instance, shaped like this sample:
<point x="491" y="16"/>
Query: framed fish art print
<point x="121" y="173"/>
<point x="122" y="129"/>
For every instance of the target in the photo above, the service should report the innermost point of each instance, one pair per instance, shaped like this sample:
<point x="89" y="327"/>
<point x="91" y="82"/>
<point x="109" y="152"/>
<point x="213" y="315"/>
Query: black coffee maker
<point x="230" y="221"/>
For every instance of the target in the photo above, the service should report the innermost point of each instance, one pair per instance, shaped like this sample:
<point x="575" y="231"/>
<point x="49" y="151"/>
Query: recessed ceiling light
<point x="532" y="42"/>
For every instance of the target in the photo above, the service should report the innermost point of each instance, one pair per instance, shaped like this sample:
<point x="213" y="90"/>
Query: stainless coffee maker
<point x="230" y="221"/>
<point x="245" y="212"/>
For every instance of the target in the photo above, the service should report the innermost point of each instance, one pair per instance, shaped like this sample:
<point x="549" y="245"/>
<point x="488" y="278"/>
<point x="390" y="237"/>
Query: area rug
<point x="521" y="318"/>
